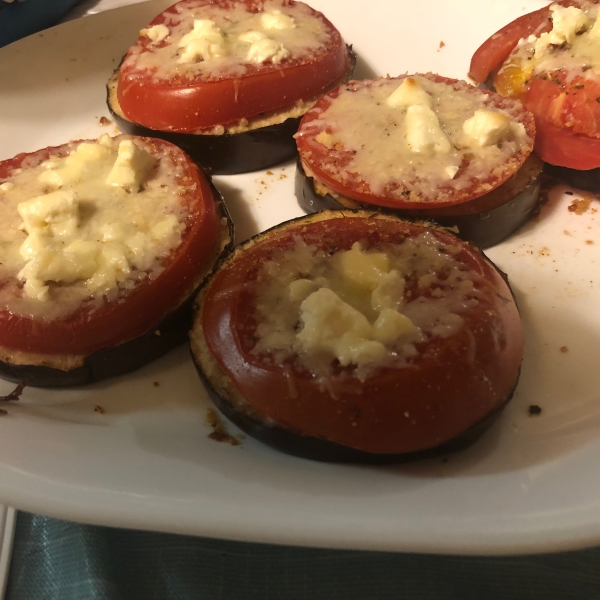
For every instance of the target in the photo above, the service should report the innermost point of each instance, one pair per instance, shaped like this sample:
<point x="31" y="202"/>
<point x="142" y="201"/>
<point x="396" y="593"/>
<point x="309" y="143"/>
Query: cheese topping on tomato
<point x="362" y="308"/>
<point x="419" y="133"/>
<point x="157" y="33"/>
<point x="213" y="42"/>
<point x="204" y="42"/>
<point x="573" y="45"/>
<point x="84" y="226"/>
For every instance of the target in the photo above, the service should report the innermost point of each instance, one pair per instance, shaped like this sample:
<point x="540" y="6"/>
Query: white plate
<point x="531" y="484"/>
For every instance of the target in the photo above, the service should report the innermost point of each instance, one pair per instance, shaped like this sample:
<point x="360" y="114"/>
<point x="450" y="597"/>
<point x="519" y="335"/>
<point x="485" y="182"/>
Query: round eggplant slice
<point x="358" y="336"/>
<point x="485" y="221"/>
<point x="423" y="145"/>
<point x="121" y="232"/>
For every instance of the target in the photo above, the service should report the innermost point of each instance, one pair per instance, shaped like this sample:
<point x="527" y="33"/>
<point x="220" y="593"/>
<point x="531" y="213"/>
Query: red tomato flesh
<point x="566" y="107"/>
<point x="490" y="56"/>
<point x="451" y="384"/>
<point x="137" y="311"/>
<point x="190" y="105"/>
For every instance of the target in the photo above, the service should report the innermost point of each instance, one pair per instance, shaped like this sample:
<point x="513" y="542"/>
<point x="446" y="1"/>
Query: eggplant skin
<point x="313" y="448"/>
<point x="486" y="228"/>
<point x="110" y="362"/>
<point x="169" y="333"/>
<point x="228" y="154"/>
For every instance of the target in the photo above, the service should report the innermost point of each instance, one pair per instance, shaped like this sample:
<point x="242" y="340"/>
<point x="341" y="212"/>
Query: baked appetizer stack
<point x="358" y="336"/>
<point x="104" y="244"/>
<point x="422" y="145"/>
<point x="228" y="80"/>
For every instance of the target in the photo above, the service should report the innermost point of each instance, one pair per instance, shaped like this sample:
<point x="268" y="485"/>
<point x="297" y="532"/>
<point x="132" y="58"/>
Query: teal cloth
<point x="19" y="19"/>
<point x="59" y="560"/>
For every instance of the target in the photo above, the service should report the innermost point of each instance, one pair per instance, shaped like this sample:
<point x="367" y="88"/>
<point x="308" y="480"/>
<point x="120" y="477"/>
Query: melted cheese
<point x="275" y="19"/>
<point x="355" y="307"/>
<point x="131" y="167"/>
<point x="573" y="44"/>
<point x="86" y="226"/>
<point x="204" y="42"/>
<point x="487" y="127"/>
<point x="408" y="93"/>
<point x="266" y="49"/>
<point x="212" y="41"/>
<point x="157" y="33"/>
<point x="423" y="132"/>
<point x="414" y="134"/>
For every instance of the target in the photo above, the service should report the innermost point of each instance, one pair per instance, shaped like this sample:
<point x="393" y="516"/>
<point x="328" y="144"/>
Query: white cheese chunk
<point x="593" y="34"/>
<point x="300" y="289"/>
<point x="140" y="248"/>
<point x="389" y="292"/>
<point x="33" y="287"/>
<point x="567" y="23"/>
<point x="451" y="171"/>
<point x="107" y="141"/>
<point x="266" y="49"/>
<point x="423" y="132"/>
<point x="275" y="19"/>
<point x="6" y="186"/>
<point x="332" y="323"/>
<point x="95" y="231"/>
<point x="81" y="161"/>
<point x="486" y="127"/>
<point x="34" y="243"/>
<point x="332" y="326"/>
<point x="51" y="178"/>
<point x="156" y="33"/>
<point x="251" y="36"/>
<point x="325" y="139"/>
<point x="76" y="261"/>
<point x="112" y="265"/>
<point x="409" y="92"/>
<point x="131" y="168"/>
<point x="364" y="269"/>
<point x="56" y="213"/>
<point x="166" y="228"/>
<point x="391" y="325"/>
<point x="204" y="42"/>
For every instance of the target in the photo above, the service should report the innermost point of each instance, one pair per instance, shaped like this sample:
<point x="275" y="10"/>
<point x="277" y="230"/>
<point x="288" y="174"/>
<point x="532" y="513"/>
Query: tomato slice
<point x="564" y="148"/>
<point x="189" y="99"/>
<point x="490" y="56"/>
<point x="408" y="180"/>
<point x="451" y="383"/>
<point x="567" y="112"/>
<point x="565" y="105"/>
<point x="94" y="326"/>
